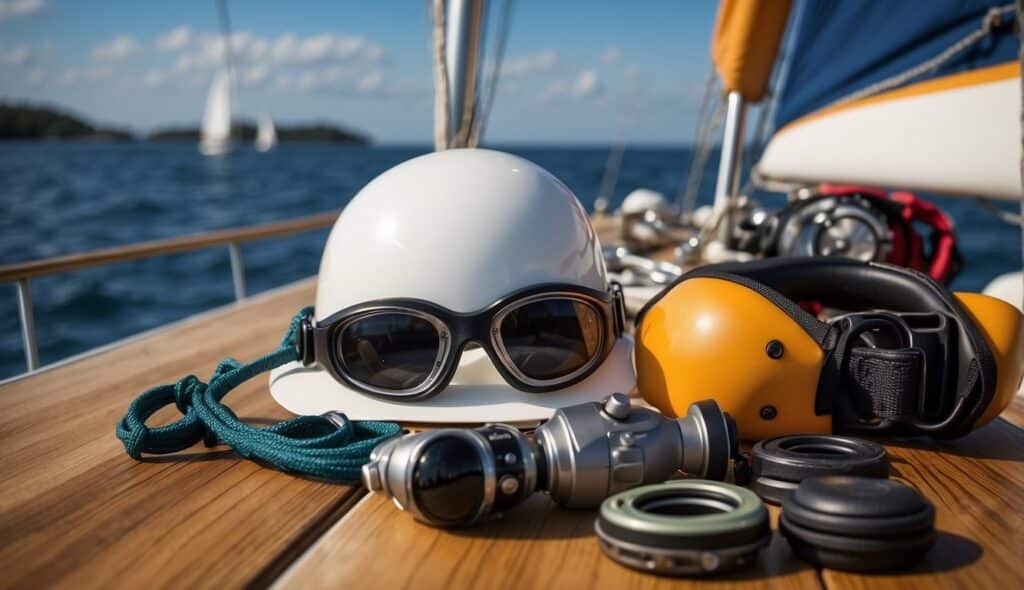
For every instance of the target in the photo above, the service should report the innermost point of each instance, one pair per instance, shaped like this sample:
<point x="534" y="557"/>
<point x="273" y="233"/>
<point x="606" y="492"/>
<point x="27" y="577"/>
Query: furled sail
<point x="215" y="138"/>
<point x="745" y="43"/>
<point x="900" y="94"/>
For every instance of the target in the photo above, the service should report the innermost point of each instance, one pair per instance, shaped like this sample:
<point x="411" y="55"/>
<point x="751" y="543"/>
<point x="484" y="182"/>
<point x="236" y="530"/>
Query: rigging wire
<point x="471" y="116"/>
<point x="992" y="20"/>
<point x="441" y="90"/>
<point x="1002" y="214"/>
<point x="757" y="145"/>
<point x="765" y="114"/>
<point x="687" y="193"/>
<point x="491" y="87"/>
<point x="610" y="177"/>
<point x="702" y="153"/>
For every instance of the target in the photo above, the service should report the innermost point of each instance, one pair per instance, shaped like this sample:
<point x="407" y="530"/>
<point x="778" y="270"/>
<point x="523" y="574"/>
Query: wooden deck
<point x="75" y="511"/>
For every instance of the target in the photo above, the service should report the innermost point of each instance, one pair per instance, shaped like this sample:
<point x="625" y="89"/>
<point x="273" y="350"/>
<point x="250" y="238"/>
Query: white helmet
<point x="460" y="229"/>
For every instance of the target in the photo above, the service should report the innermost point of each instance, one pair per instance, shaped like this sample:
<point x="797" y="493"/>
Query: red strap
<point x="943" y="241"/>
<point x="915" y="209"/>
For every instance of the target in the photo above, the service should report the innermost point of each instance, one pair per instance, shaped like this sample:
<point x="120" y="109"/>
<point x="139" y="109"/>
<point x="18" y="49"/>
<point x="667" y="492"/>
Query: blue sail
<point x="841" y="47"/>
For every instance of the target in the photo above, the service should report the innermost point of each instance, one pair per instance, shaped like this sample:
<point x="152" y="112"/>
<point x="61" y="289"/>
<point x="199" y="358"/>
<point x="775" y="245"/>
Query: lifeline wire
<point x="309" y="445"/>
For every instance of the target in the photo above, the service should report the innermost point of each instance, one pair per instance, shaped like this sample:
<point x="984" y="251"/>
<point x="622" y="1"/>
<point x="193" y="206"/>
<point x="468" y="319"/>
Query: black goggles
<point x="541" y="339"/>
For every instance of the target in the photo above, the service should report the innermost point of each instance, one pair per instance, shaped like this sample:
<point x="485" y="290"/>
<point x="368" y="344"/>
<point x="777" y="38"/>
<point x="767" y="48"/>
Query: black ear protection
<point x="904" y="356"/>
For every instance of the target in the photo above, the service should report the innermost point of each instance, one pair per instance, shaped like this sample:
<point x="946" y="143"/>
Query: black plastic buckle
<point x="304" y="342"/>
<point x="933" y="335"/>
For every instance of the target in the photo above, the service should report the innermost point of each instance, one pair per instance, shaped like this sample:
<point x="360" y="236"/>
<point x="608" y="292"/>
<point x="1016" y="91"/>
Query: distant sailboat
<point x="266" y="134"/>
<point x="215" y="138"/>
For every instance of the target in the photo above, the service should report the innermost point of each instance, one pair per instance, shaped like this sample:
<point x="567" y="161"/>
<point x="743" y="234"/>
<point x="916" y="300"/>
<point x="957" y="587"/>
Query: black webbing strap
<point x="884" y="382"/>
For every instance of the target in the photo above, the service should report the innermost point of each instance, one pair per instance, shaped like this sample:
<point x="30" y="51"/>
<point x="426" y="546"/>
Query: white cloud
<point x="370" y="82"/>
<point x="586" y="85"/>
<point x="206" y="51"/>
<point x="545" y="61"/>
<point x="611" y="55"/>
<point x="347" y="80"/>
<point x="255" y="75"/>
<point x="18" y="55"/>
<point x="174" y="39"/>
<point x="556" y="89"/>
<point x="154" y="79"/>
<point x="11" y="9"/>
<point x="77" y="75"/>
<point x="118" y="48"/>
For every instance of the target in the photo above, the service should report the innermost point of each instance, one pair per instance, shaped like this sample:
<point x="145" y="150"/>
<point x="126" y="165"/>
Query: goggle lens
<point x="392" y="351"/>
<point x="551" y="338"/>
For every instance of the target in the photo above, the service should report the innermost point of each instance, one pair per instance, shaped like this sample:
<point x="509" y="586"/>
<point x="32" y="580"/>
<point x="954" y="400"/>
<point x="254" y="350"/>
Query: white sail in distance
<point x="215" y="136"/>
<point x="266" y="134"/>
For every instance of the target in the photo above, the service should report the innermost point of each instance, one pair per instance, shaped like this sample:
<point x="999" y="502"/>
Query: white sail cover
<point x="894" y="95"/>
<point x="216" y="130"/>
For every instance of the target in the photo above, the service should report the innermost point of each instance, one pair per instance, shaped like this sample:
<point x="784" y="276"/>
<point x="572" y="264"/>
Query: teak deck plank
<point x="976" y="483"/>
<point x="76" y="510"/>
<point x="536" y="545"/>
<point x="977" y="486"/>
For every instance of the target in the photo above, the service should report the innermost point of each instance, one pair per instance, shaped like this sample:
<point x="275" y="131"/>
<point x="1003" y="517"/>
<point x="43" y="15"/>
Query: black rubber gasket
<point x="778" y="465"/>
<point x="858" y="523"/>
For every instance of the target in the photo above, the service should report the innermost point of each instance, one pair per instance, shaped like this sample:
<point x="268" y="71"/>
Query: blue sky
<point x="575" y="71"/>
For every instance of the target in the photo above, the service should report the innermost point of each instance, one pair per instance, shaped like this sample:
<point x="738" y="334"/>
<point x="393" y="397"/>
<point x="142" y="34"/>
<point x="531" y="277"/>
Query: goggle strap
<point x="326" y="447"/>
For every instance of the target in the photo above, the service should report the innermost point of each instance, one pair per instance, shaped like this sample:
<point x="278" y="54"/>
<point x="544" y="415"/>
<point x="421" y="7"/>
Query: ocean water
<point x="59" y="198"/>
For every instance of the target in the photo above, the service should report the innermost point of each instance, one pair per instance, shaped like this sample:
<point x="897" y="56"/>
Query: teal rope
<point x="308" y="445"/>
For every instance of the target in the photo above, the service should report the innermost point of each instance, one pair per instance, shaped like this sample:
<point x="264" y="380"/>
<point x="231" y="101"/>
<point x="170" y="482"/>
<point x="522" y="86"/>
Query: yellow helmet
<point x="906" y="357"/>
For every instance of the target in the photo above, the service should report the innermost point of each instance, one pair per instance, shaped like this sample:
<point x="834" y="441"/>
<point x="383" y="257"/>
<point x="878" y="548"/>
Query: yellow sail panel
<point x="745" y="43"/>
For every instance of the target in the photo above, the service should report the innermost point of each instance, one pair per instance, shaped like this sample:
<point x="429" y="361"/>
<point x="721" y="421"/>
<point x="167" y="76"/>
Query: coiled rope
<point x="328" y="447"/>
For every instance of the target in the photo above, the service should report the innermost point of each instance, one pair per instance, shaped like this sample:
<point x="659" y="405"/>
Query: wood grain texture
<point x="536" y="545"/>
<point x="977" y="486"/>
<point x="76" y="510"/>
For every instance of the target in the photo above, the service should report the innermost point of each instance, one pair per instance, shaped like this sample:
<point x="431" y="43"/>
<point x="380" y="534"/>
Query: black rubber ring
<point x="776" y="461"/>
<point x="858" y="523"/>
<point x="718" y="430"/>
<point x="853" y="554"/>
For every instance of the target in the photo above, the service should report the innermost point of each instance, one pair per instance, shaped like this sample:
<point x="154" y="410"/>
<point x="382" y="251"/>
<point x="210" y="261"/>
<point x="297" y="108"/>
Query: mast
<point x="744" y="47"/>
<point x="458" y="32"/>
<point x="729" y="163"/>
